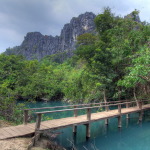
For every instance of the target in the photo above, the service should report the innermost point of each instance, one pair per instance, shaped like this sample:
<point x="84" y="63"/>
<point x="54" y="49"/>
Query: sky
<point x="17" y="17"/>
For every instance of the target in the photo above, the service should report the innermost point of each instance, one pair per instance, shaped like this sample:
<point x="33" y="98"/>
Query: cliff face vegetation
<point x="112" y="64"/>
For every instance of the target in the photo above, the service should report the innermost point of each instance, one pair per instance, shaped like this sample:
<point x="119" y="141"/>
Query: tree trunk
<point x="119" y="94"/>
<point x="105" y="101"/>
<point x="134" y="93"/>
<point x="105" y="98"/>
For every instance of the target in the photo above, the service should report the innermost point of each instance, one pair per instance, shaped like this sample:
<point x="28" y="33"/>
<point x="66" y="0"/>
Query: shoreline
<point x="22" y="143"/>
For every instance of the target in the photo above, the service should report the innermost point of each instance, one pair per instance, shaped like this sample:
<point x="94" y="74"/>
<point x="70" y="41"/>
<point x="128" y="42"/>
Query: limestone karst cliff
<point x="36" y="45"/>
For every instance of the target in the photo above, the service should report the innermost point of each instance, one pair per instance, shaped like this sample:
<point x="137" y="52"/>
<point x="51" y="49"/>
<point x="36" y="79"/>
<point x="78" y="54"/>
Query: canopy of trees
<point x="114" y="63"/>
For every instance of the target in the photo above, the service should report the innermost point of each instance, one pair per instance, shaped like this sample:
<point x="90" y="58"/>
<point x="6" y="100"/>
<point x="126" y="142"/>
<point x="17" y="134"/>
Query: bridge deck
<point x="22" y="130"/>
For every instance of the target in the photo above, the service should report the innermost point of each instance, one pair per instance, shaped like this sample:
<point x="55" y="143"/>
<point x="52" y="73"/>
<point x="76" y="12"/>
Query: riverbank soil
<point x="22" y="143"/>
<point x="15" y="143"/>
<point x="47" y="144"/>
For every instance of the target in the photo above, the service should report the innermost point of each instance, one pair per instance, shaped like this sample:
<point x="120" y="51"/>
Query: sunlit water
<point x="132" y="135"/>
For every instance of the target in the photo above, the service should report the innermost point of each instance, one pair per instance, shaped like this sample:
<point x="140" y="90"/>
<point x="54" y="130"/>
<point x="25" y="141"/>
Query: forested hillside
<point x="112" y="64"/>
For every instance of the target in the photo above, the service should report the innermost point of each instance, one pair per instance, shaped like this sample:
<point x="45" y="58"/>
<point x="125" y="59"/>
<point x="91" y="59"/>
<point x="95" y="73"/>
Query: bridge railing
<point x="39" y="114"/>
<point x="26" y="111"/>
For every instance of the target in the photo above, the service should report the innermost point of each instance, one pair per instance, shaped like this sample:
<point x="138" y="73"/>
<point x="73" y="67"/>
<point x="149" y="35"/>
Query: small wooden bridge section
<point x="124" y="108"/>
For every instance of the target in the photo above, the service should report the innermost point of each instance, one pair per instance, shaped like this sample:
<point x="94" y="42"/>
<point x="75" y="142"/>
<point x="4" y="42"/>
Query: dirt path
<point x="14" y="143"/>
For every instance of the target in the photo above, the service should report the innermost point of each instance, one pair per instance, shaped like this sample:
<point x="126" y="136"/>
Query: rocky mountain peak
<point x="36" y="45"/>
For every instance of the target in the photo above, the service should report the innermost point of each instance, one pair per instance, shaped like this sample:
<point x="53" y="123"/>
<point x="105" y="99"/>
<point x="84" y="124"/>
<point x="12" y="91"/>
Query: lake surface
<point x="132" y="136"/>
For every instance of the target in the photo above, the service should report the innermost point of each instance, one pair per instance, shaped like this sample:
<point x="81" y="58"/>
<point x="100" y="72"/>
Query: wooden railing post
<point x="25" y="120"/>
<point x="107" y="108"/>
<point x="75" y="111"/>
<point x="38" y="122"/>
<point x="127" y="105"/>
<point x="119" y="108"/>
<point x="140" y="104"/>
<point x="88" y="113"/>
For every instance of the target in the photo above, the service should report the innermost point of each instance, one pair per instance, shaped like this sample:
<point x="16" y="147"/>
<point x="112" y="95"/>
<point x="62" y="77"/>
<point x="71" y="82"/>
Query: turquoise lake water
<point x="132" y="136"/>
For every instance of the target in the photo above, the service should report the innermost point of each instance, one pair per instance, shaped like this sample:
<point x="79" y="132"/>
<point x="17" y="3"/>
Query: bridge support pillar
<point x="88" y="130"/>
<point x="106" y="121"/>
<point x="119" y="122"/>
<point x="140" y="116"/>
<point x="74" y="129"/>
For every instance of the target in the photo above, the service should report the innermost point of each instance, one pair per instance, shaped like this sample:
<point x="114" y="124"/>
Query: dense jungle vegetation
<point x="114" y="63"/>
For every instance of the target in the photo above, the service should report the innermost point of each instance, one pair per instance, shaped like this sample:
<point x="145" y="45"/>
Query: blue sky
<point x="17" y="17"/>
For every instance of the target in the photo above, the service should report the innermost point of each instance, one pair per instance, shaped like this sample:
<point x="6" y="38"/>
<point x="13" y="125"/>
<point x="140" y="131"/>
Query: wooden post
<point x="127" y="122"/>
<point x="119" y="122"/>
<point x="119" y="117"/>
<point x="127" y="115"/>
<point x="88" y="113"/>
<point x="107" y="108"/>
<point x="140" y="116"/>
<point x="141" y="112"/>
<point x="119" y="108"/>
<point x="38" y="122"/>
<point x="106" y="120"/>
<point x="140" y="105"/>
<point x="127" y="105"/>
<point x="25" y="121"/>
<point x="75" y="111"/>
<point x="74" y="129"/>
<point x="88" y="131"/>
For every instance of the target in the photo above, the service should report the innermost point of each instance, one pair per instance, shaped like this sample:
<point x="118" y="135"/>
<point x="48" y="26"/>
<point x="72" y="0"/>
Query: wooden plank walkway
<point x="22" y="130"/>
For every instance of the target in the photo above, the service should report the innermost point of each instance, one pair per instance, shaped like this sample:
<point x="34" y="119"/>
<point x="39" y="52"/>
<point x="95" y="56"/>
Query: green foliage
<point x="86" y="39"/>
<point x="139" y="71"/>
<point x="104" y="21"/>
<point x="109" y="64"/>
<point x="58" y="58"/>
<point x="9" y="109"/>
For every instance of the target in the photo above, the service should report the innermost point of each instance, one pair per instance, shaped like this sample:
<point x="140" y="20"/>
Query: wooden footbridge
<point x="123" y="108"/>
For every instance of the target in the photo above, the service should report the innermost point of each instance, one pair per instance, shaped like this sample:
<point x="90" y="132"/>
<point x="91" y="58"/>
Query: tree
<point x="139" y="71"/>
<point x="86" y="39"/>
<point x="104" y="21"/>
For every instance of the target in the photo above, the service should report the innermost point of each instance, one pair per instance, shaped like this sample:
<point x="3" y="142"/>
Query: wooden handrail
<point x="101" y="106"/>
<point x="30" y="109"/>
<point x="39" y="114"/>
<point x="75" y="105"/>
<point x="26" y="111"/>
<point x="112" y="103"/>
